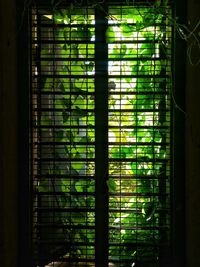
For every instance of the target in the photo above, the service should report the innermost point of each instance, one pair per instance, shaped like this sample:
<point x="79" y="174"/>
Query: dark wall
<point x="9" y="169"/>
<point x="8" y="137"/>
<point x="193" y="147"/>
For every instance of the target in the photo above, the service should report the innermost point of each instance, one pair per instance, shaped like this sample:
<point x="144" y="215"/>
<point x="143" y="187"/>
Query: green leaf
<point x="119" y="153"/>
<point x="66" y="102"/>
<point x="61" y="87"/>
<point x="85" y="34"/>
<point x="43" y="186"/>
<point x="45" y="120"/>
<point x="80" y="112"/>
<point x="65" y="185"/>
<point x="111" y="185"/>
<point x="134" y="166"/>
<point x="89" y="66"/>
<point x="110" y="35"/>
<point x="91" y="188"/>
<point x="79" y="186"/>
<point x="128" y="30"/>
<point x="69" y="136"/>
<point x="148" y="210"/>
<point x="59" y="135"/>
<point x="139" y="26"/>
<point x="65" y="116"/>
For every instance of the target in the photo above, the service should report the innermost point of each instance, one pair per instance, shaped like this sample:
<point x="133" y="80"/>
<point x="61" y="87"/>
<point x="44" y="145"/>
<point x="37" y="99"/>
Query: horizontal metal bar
<point x="53" y="25"/>
<point x="92" y="76"/>
<point x="116" y="194"/>
<point x="54" y="41"/>
<point x="122" y="177"/>
<point x="43" y="159"/>
<point x="84" y="209"/>
<point x="111" y="227"/>
<point x="133" y="110"/>
<point x="136" y="194"/>
<point x="136" y="210"/>
<point x="62" y="193"/>
<point x="138" y="144"/>
<point x="135" y="127"/>
<point x="138" y="177"/>
<point x="150" y="143"/>
<point x="63" y="143"/>
<point x="64" y="109"/>
<point x="62" y="76"/>
<point x="53" y="93"/>
<point x="138" y="244"/>
<point x="64" y="41"/>
<point x="61" y="225"/>
<point x="73" y="241"/>
<point x="139" y="227"/>
<point x="153" y="93"/>
<point x="55" y="127"/>
<point x="64" y="59"/>
<point x="138" y="159"/>
<point x="63" y="25"/>
<point x="63" y="210"/>
<point x="138" y="127"/>
<point x="70" y="260"/>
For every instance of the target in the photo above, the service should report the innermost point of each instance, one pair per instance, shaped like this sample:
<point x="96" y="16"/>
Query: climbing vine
<point x="139" y="84"/>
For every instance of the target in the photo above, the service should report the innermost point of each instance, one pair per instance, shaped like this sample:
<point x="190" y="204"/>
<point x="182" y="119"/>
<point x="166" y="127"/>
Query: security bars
<point x="101" y="134"/>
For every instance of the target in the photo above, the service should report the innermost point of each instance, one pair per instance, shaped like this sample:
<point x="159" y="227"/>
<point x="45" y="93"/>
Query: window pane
<point x="65" y="101"/>
<point x="63" y="147"/>
<point x="139" y="136"/>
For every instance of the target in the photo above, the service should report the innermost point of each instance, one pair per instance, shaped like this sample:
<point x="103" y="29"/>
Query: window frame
<point x="25" y="191"/>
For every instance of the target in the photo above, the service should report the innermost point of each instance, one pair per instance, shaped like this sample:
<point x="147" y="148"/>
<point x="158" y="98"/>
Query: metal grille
<point x="101" y="135"/>
<point x="139" y="136"/>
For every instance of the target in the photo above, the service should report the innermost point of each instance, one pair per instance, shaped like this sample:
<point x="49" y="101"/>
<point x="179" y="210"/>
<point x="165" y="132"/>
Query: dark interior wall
<point x="8" y="136"/>
<point x="9" y="178"/>
<point x="193" y="146"/>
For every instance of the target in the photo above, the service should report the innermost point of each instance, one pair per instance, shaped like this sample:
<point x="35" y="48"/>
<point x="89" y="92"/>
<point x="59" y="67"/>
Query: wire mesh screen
<point x="134" y="68"/>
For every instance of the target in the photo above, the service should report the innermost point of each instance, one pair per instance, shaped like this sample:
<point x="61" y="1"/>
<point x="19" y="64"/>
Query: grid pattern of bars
<point x="139" y="136"/>
<point x="63" y="135"/>
<point x="63" y="142"/>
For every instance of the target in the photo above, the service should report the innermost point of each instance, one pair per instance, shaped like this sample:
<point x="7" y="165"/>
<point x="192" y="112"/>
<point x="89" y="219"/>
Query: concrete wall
<point x="9" y="178"/>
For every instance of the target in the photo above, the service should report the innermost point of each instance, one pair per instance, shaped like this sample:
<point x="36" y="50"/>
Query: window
<point x="101" y="134"/>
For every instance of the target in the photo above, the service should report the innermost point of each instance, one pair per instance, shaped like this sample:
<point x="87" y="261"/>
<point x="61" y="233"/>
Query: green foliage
<point x="139" y="146"/>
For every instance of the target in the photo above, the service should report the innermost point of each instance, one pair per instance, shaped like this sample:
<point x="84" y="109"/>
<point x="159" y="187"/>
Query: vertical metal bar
<point x="101" y="139"/>
<point x="164" y="253"/>
<point x="24" y="54"/>
<point x="178" y="183"/>
<point x="38" y="199"/>
<point x="32" y="132"/>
